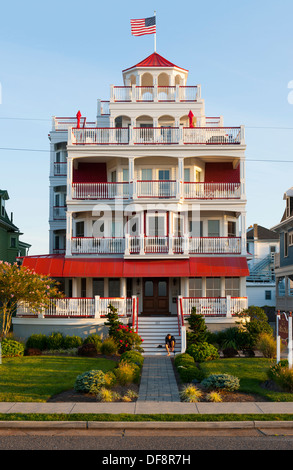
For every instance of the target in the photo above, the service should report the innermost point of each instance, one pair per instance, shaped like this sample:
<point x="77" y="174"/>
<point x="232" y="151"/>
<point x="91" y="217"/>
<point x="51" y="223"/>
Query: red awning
<point x="208" y="266"/>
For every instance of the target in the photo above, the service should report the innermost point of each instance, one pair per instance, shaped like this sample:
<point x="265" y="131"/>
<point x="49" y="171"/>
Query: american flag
<point x="143" y="26"/>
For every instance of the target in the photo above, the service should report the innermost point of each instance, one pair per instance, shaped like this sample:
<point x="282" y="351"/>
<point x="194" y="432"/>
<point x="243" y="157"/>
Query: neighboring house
<point x="262" y="245"/>
<point x="147" y="206"/>
<point x="284" y="261"/>
<point x="10" y="245"/>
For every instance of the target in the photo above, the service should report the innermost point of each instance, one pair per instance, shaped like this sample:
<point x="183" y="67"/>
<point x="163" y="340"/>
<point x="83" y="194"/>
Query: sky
<point x="59" y="57"/>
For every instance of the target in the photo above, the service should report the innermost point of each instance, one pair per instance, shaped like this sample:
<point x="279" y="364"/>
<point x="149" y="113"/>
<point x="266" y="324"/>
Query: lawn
<point x="37" y="378"/>
<point x="251" y="372"/>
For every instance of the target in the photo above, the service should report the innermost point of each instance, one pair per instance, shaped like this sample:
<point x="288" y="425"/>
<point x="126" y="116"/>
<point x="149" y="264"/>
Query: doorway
<point x="156" y="296"/>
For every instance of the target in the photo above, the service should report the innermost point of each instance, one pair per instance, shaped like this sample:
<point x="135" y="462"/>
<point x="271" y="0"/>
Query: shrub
<point x="214" y="397"/>
<point x="11" y="348"/>
<point x="87" y="350"/>
<point x="130" y="395"/>
<point x="71" y="342"/>
<point x="267" y="345"/>
<point x="110" y="379"/>
<point x="109" y="347"/>
<point x="191" y="394"/>
<point x="32" y="352"/>
<point x="94" y="339"/>
<point x="274" y="371"/>
<point x="221" y="381"/>
<point x="105" y="395"/>
<point x="183" y="358"/>
<point x="256" y="324"/>
<point x="55" y="341"/>
<point x="230" y="352"/>
<point x="134" y="357"/>
<point x="190" y="373"/>
<point x="285" y="379"/>
<point x="90" y="381"/>
<point x="38" y="341"/>
<point x="127" y="372"/>
<point x="203" y="352"/>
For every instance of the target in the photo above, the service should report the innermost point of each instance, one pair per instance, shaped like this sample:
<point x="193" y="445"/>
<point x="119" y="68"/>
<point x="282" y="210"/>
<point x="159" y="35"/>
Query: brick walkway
<point x="158" y="382"/>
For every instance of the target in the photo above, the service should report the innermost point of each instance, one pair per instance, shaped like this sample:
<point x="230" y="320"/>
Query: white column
<point x="69" y="178"/>
<point x="242" y="179"/>
<point x="180" y="177"/>
<point x="243" y="233"/>
<point x="68" y="232"/>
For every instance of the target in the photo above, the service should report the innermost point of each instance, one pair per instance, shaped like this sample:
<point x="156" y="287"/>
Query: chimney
<point x="12" y="217"/>
<point x="255" y="231"/>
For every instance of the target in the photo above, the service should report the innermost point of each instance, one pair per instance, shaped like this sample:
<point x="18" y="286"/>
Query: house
<point x="147" y="208"/>
<point x="284" y="260"/>
<point x="262" y="245"/>
<point x="10" y="245"/>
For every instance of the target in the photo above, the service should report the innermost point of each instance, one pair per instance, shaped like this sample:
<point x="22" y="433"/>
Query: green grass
<point x="37" y="378"/>
<point x="251" y="372"/>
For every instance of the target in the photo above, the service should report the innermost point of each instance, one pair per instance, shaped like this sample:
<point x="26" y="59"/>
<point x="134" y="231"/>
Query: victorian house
<point x="147" y="207"/>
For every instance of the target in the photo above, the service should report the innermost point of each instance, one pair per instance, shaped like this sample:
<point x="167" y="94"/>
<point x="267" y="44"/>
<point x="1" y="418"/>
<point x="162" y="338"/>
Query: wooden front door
<point x="155" y="296"/>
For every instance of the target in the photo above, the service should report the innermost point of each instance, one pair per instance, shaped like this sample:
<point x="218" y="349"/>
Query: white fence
<point x="217" y="306"/>
<point x="80" y="307"/>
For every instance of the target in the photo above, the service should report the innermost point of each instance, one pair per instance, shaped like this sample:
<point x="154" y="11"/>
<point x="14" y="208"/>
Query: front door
<point x="155" y="296"/>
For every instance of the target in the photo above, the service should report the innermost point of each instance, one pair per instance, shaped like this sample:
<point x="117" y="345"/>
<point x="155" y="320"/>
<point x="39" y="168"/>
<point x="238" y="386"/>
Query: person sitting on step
<point x="170" y="343"/>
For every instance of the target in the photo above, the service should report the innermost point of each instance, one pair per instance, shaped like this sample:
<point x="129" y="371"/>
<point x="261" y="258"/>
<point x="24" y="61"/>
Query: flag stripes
<point x="143" y="26"/>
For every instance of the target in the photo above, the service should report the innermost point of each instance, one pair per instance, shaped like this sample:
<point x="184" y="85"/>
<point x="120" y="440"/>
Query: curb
<point x="147" y="425"/>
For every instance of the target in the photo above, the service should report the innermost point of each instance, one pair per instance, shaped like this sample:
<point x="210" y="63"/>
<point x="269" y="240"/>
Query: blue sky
<point x="62" y="56"/>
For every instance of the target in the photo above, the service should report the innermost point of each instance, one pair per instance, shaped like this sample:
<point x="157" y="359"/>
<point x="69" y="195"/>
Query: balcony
<point x="152" y="245"/>
<point x="212" y="307"/>
<point x="155" y="189"/>
<point x="221" y="136"/>
<point x="138" y="94"/>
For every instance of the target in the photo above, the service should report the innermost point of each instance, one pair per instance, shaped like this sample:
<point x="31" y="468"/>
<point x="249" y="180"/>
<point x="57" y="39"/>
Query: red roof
<point x="155" y="60"/>
<point x="212" y="266"/>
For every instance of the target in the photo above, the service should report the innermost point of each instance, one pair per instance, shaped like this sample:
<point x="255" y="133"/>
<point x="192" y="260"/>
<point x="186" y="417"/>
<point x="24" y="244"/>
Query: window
<point x="187" y="174"/>
<point x="290" y="286"/>
<point x="290" y="236"/>
<point x="213" y="228"/>
<point x="148" y="288"/>
<point x="268" y="295"/>
<point x="231" y="229"/>
<point x="98" y="287"/>
<point x="162" y="288"/>
<point x="232" y="286"/>
<point x="83" y="287"/>
<point x="195" y="287"/>
<point x="286" y="243"/>
<point x="114" y="287"/>
<point x="178" y="225"/>
<point x="281" y="286"/>
<point x="156" y="225"/>
<point x="213" y="287"/>
<point x="79" y="229"/>
<point x="12" y="242"/>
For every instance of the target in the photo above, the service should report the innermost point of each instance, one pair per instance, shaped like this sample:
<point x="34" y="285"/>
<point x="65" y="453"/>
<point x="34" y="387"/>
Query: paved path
<point x="158" y="382"/>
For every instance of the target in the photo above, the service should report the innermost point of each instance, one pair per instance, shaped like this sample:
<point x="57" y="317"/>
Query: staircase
<point x="153" y="331"/>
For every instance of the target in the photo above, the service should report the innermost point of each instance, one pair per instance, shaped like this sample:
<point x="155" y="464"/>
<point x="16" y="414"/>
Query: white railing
<point x="212" y="135"/>
<point x="156" y="135"/>
<point x="100" y="136"/>
<point x="212" y="190"/>
<point x="100" y="190"/>
<point x="91" y="245"/>
<point x="80" y="307"/>
<point x="156" y="189"/>
<point x="156" y="244"/>
<point x="154" y="93"/>
<point x="214" y="245"/>
<point x="213" y="306"/>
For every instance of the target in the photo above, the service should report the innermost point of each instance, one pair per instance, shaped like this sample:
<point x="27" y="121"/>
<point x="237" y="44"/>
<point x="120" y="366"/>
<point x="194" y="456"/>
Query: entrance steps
<point x="153" y="331"/>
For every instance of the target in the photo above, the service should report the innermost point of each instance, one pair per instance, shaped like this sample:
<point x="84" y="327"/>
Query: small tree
<point x="125" y="337"/>
<point x="20" y="284"/>
<point x="198" y="329"/>
<point x="255" y="323"/>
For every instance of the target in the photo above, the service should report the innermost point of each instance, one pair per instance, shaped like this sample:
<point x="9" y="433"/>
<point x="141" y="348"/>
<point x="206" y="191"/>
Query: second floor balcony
<point x="155" y="189"/>
<point x="155" y="245"/>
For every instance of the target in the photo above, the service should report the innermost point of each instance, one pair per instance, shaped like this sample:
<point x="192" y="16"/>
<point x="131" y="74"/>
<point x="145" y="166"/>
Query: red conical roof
<point x="155" y="60"/>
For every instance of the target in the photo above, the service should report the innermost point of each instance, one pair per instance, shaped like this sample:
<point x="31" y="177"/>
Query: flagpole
<point x="155" y="35"/>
